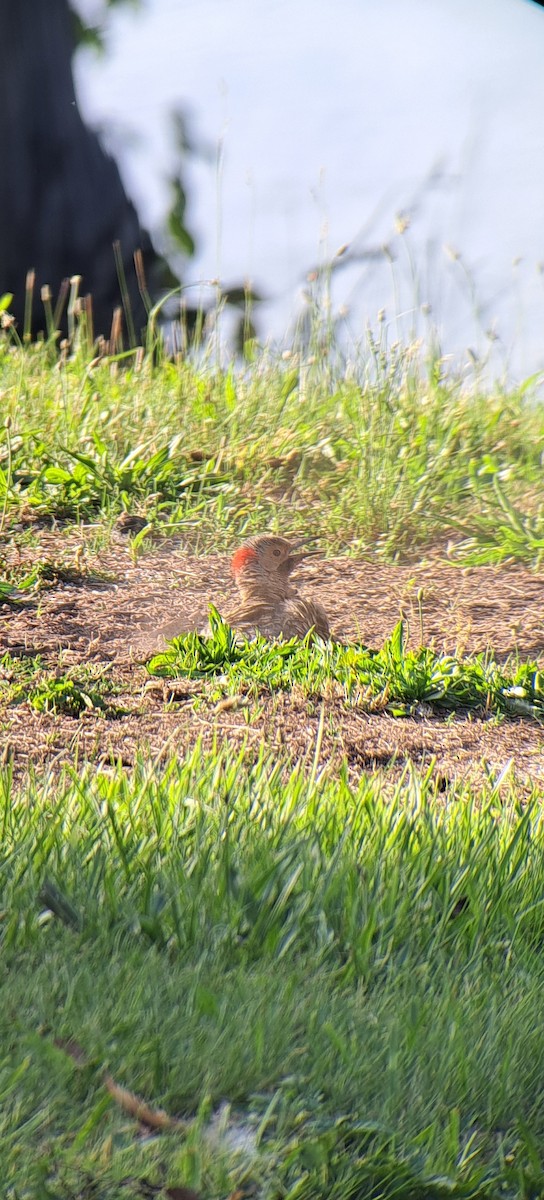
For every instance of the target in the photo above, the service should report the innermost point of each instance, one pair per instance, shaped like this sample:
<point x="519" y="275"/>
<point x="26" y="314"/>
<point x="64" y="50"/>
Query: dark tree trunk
<point x="62" y="203"/>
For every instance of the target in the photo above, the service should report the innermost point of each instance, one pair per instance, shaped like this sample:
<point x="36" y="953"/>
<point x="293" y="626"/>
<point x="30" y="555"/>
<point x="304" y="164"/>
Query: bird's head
<point x="267" y="558"/>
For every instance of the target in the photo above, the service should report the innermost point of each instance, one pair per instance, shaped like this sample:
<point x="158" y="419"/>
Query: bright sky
<point x="330" y="118"/>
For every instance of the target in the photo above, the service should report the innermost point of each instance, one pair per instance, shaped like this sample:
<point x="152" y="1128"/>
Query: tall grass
<point x="383" y="453"/>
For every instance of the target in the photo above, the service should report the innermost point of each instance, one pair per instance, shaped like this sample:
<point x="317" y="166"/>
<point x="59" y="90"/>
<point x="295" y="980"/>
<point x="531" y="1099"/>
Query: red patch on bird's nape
<point x="241" y="557"/>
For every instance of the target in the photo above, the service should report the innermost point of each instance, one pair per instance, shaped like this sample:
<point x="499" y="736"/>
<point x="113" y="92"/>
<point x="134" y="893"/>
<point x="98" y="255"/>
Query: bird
<point x="269" y="603"/>
<point x="130" y="523"/>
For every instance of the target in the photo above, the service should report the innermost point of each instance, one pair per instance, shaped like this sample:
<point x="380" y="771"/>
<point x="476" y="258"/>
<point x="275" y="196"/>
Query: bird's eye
<point x="276" y="553"/>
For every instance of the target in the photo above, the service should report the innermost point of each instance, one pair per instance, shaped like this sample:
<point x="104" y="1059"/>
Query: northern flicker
<point x="269" y="604"/>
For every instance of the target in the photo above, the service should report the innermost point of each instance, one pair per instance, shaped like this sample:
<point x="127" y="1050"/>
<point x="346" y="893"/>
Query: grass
<point x="26" y="680"/>
<point x="393" y="678"/>
<point x="18" y="582"/>
<point x="384" y="454"/>
<point x="344" y="976"/>
<point x="15" y="582"/>
<point x="356" y="971"/>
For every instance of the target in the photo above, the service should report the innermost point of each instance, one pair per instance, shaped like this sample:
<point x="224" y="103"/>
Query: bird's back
<point x="294" y="617"/>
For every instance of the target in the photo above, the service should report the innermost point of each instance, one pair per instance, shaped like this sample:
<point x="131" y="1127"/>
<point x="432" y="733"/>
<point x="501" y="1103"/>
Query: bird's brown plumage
<point x="269" y="604"/>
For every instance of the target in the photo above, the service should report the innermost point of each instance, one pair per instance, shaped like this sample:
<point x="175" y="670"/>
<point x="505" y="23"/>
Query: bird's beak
<point x="295" y="559"/>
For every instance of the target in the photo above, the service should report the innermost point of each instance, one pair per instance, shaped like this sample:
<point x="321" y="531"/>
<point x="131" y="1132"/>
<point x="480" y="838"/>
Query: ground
<point x="120" y="606"/>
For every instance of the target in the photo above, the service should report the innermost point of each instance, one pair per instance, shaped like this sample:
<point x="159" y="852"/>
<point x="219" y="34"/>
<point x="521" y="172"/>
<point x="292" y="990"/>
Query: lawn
<point x="271" y="915"/>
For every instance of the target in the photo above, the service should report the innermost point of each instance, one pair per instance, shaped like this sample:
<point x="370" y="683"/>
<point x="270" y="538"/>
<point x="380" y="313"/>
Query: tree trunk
<point x="62" y="202"/>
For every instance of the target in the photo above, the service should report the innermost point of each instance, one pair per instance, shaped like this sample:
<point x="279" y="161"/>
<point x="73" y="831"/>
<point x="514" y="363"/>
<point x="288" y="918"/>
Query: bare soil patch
<point x="120" y="611"/>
